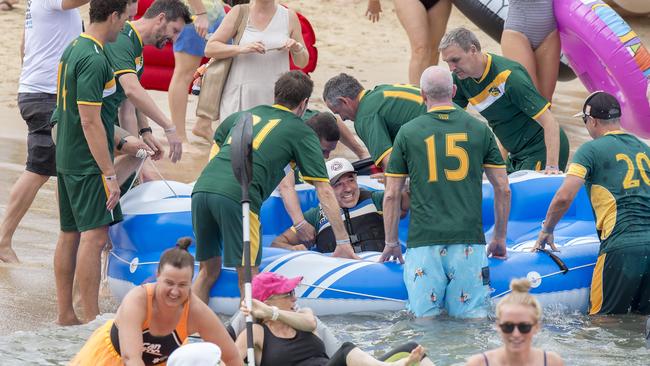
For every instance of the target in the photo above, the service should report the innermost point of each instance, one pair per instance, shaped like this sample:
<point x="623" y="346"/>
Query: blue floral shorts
<point x="453" y="277"/>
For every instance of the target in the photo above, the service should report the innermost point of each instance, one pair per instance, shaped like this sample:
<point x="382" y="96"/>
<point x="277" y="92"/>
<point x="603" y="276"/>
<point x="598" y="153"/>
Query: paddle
<point x="241" y="155"/>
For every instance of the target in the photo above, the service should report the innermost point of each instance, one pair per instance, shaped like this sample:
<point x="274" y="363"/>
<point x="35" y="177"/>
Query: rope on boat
<point x="549" y="275"/>
<point x="133" y="264"/>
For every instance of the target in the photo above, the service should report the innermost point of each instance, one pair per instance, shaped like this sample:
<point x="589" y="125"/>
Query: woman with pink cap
<point x="285" y="335"/>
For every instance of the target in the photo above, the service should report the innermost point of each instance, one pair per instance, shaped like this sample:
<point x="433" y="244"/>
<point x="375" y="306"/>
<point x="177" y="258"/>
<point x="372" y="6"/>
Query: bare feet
<point x="205" y="132"/>
<point x="413" y="359"/>
<point x="68" y="320"/>
<point x="8" y="255"/>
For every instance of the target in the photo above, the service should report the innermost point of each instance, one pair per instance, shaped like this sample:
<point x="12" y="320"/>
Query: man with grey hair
<point x="444" y="152"/>
<point x="502" y="91"/>
<point x="377" y="114"/>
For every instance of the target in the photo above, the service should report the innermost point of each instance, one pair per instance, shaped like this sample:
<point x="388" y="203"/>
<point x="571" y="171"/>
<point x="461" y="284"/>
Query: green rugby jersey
<point x="279" y="138"/>
<point x="444" y="153"/>
<point x="224" y="128"/>
<point x="125" y="55"/>
<point x="309" y="113"/>
<point x="616" y="170"/>
<point x="381" y="113"/>
<point x="85" y="77"/>
<point x="506" y="96"/>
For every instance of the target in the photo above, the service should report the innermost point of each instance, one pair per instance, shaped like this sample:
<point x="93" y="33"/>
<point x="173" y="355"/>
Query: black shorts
<point x="36" y="109"/>
<point x="621" y="282"/>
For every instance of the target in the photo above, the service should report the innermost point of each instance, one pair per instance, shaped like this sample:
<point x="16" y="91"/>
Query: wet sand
<point x="347" y="42"/>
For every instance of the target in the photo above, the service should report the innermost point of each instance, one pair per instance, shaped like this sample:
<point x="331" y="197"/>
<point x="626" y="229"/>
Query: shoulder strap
<point x="240" y="24"/>
<point x="149" y="287"/>
<point x="364" y="195"/>
<point x="181" y="327"/>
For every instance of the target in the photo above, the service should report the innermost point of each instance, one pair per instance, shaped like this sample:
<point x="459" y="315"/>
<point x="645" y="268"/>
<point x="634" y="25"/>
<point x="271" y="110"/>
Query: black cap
<point x="601" y="105"/>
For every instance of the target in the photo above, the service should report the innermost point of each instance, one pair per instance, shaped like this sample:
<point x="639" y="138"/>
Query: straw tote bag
<point x="216" y="74"/>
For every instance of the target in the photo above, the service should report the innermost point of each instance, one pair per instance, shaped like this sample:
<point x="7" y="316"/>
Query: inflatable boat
<point x="157" y="213"/>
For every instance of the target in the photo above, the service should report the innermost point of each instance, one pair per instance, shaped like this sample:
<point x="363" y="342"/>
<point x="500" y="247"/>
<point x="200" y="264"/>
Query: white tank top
<point x="48" y="31"/>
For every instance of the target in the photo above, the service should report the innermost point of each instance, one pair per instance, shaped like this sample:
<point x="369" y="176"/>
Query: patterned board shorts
<point x="453" y="277"/>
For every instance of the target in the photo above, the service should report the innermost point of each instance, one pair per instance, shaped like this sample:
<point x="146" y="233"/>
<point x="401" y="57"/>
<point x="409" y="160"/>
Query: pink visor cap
<point x="267" y="284"/>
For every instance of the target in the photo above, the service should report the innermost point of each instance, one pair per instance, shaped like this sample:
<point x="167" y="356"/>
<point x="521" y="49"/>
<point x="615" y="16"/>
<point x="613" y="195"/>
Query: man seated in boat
<point x="361" y="211"/>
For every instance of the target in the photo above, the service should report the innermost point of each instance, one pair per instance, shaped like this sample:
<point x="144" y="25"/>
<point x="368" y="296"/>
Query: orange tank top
<point x="156" y="349"/>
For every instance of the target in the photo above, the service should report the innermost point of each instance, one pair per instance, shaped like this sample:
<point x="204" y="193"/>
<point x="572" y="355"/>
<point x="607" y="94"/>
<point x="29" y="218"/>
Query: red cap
<point x="267" y="284"/>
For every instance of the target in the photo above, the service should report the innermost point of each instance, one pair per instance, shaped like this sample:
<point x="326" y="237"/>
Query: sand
<point x="347" y="42"/>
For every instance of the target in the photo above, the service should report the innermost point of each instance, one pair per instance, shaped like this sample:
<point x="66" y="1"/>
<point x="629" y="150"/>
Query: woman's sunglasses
<point x="291" y="293"/>
<point x="508" y="328"/>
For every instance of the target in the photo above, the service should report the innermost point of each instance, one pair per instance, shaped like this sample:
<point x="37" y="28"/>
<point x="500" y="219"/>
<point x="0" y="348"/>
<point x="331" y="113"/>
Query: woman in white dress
<point x="262" y="55"/>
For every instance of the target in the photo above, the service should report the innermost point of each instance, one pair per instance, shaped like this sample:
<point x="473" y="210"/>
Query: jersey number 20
<point x="629" y="181"/>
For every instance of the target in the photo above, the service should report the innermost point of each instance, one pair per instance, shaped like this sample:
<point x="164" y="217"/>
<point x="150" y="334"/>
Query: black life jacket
<point x="364" y="224"/>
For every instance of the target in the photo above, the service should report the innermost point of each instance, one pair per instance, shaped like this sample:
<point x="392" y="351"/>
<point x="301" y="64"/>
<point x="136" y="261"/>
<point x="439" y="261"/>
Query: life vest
<point x="363" y="222"/>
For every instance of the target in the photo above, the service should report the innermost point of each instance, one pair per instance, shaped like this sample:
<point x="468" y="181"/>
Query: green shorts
<point x="536" y="159"/>
<point x="82" y="203"/>
<point x="217" y="224"/>
<point x="620" y="282"/>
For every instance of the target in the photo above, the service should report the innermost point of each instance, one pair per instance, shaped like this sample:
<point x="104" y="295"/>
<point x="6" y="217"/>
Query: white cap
<point x="196" y="354"/>
<point x="337" y="167"/>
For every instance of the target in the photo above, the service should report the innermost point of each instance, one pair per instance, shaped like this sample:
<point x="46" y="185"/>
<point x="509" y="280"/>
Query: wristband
<point x="120" y="144"/>
<point x="170" y="130"/>
<point x="145" y="130"/>
<point x="343" y="242"/>
<point x="276" y="313"/>
<point x="110" y="177"/>
<point x="545" y="230"/>
<point x="299" y="225"/>
<point x="392" y="245"/>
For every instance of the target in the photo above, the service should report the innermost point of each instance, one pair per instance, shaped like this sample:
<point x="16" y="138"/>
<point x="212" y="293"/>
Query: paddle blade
<point x="242" y="149"/>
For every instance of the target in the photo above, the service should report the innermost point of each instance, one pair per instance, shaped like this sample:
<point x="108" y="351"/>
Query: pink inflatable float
<point x="607" y="55"/>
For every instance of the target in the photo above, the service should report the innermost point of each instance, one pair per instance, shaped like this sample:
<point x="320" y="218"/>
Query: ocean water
<point x="579" y="339"/>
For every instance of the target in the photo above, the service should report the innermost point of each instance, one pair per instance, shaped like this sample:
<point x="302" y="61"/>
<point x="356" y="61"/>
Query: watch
<point x="145" y="130"/>
<point x="120" y="144"/>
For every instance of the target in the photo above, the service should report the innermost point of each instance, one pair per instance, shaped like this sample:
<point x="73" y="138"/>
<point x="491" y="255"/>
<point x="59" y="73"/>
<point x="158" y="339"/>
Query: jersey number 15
<point x="451" y="150"/>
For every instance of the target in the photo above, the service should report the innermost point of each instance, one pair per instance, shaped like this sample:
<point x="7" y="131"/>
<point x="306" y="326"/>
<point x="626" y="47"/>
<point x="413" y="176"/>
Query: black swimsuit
<point x="303" y="349"/>
<point x="428" y="4"/>
<point x="487" y="363"/>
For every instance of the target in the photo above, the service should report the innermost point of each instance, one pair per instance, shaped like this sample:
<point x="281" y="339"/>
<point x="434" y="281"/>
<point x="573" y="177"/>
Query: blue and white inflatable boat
<point x="155" y="217"/>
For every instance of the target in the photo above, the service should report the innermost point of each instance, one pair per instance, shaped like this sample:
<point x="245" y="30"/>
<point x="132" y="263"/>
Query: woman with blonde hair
<point x="518" y="320"/>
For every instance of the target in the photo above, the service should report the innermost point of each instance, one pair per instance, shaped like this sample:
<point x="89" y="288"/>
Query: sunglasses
<point x="291" y="293"/>
<point x="524" y="328"/>
<point x="585" y="118"/>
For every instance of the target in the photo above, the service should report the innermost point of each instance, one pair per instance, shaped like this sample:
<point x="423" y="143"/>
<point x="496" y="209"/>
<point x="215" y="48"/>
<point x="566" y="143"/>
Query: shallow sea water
<point x="579" y="339"/>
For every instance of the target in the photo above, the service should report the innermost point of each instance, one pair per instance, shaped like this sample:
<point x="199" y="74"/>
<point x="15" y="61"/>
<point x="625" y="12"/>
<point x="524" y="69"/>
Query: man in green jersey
<point x="444" y="153"/>
<point x="615" y="169"/>
<point x="280" y="138"/>
<point x="501" y="91"/>
<point x="88" y="189"/>
<point x="161" y="23"/>
<point x="328" y="128"/>
<point x="377" y="114"/>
